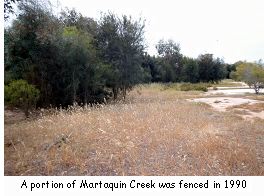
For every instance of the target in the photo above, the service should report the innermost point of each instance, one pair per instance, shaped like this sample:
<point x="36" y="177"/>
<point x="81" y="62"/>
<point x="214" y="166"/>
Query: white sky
<point x="230" y="29"/>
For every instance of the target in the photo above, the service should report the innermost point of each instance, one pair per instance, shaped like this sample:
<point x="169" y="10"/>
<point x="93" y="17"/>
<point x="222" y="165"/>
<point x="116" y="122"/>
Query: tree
<point x="131" y="48"/>
<point x="251" y="73"/>
<point x="219" y="70"/>
<point x="21" y="94"/>
<point x="148" y="65"/>
<point x="229" y="69"/>
<point x="57" y="55"/>
<point x="75" y="59"/>
<point x="190" y="70"/>
<point x="120" y="42"/>
<point x="32" y="48"/>
<point x="82" y="69"/>
<point x="170" y="58"/>
<point x="210" y="69"/>
<point x="205" y="63"/>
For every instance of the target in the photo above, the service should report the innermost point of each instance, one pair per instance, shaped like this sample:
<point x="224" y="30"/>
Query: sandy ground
<point x="232" y="91"/>
<point x="223" y="103"/>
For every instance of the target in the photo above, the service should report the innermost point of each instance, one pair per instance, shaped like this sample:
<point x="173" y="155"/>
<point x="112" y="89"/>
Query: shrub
<point x="21" y="94"/>
<point x="194" y="87"/>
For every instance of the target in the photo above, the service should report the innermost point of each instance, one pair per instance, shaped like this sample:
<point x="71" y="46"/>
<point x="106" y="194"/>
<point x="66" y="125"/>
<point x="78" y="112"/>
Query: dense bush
<point x="21" y="94"/>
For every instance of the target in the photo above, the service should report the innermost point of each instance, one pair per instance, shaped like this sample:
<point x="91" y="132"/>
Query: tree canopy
<point x="71" y="58"/>
<point x="251" y="73"/>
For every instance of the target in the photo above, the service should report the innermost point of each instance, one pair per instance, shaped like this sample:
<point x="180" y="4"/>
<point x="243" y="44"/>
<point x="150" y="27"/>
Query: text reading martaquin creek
<point x="114" y="185"/>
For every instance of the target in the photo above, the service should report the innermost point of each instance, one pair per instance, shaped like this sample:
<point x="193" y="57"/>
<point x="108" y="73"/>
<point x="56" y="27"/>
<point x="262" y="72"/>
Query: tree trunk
<point x="26" y="109"/>
<point x="115" y="92"/>
<point x="74" y="89"/>
<point x="85" y="99"/>
<point x="124" y="92"/>
<point x="256" y="88"/>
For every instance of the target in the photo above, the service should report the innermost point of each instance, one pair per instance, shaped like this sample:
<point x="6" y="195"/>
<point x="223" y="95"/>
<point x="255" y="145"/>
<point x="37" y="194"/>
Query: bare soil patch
<point x="222" y="103"/>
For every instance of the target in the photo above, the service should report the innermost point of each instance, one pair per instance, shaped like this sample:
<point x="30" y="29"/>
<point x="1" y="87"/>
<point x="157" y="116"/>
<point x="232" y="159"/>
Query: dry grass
<point x="227" y="83"/>
<point x="257" y="107"/>
<point x="154" y="133"/>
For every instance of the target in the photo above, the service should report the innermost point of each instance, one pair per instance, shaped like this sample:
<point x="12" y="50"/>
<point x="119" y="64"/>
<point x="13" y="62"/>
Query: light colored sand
<point x="249" y="115"/>
<point x="241" y="89"/>
<point x="231" y="91"/>
<point x="221" y="103"/>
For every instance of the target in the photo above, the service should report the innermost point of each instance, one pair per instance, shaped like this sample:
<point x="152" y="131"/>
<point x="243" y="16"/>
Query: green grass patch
<point x="195" y="87"/>
<point x="177" y="86"/>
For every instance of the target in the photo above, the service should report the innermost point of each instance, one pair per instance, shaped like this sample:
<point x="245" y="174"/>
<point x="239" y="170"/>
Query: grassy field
<point x="155" y="132"/>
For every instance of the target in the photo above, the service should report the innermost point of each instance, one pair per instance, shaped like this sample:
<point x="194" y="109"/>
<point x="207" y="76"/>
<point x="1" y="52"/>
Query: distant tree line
<point x="71" y="58"/>
<point x="171" y="66"/>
